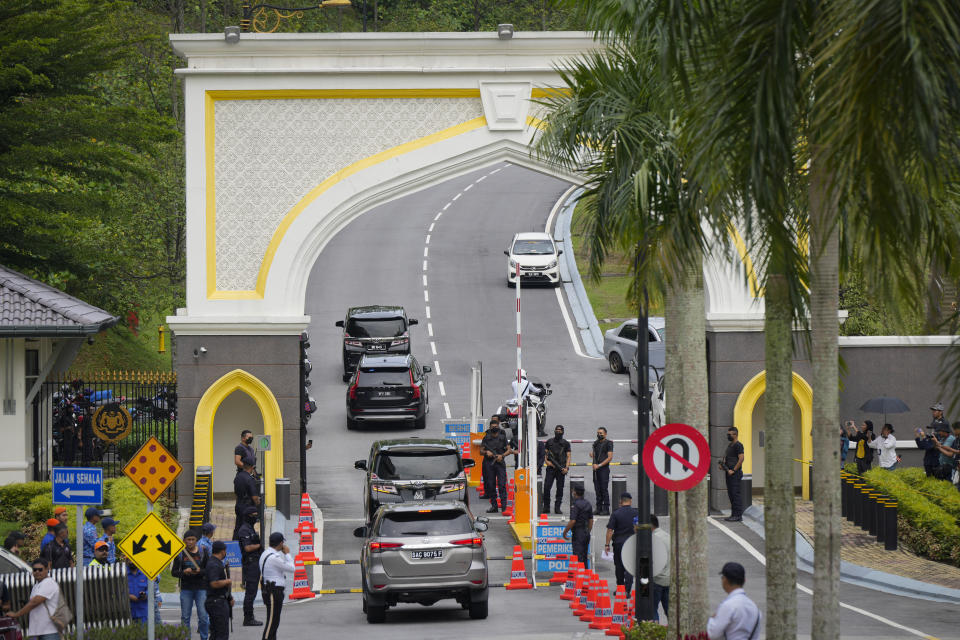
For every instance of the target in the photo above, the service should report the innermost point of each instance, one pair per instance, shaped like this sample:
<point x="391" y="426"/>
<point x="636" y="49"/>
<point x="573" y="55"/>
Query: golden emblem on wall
<point x="112" y="422"/>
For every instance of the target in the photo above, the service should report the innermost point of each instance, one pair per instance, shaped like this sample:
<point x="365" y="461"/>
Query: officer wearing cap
<point x="274" y="564"/>
<point x="250" y="550"/>
<point x="247" y="490"/>
<point x="90" y="536"/>
<point x="619" y="528"/>
<point x="48" y="538"/>
<point x="206" y="537"/>
<point x="109" y="531"/>
<point x="737" y="617"/>
<point x="219" y="601"/>
<point x="100" y="554"/>
<point x="581" y="524"/>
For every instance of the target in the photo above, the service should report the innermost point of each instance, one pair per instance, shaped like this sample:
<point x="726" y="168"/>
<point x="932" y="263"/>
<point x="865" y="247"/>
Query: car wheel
<point x="511" y="285"/>
<point x="377" y="613"/>
<point x="346" y="377"/>
<point x="351" y="424"/>
<point x="616" y="363"/>
<point x="420" y="423"/>
<point x="478" y="610"/>
<point x="363" y="598"/>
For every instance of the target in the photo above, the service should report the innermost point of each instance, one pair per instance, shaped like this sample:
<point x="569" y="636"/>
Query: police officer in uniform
<point x="495" y="447"/>
<point x="557" y="451"/>
<point x="602" y="455"/>
<point x="247" y="490"/>
<point x="581" y="523"/>
<point x="219" y="601"/>
<point x="274" y="563"/>
<point x="619" y="528"/>
<point x="250" y="550"/>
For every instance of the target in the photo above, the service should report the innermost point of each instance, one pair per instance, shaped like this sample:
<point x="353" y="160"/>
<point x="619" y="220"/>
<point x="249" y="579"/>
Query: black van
<point x="376" y="330"/>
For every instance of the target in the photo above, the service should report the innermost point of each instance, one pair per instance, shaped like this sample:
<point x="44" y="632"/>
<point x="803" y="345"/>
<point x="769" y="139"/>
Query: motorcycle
<point x="509" y="411"/>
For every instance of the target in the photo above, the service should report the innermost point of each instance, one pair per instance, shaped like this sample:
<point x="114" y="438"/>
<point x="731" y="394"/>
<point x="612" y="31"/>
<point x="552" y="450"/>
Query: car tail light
<point x="380" y="546"/>
<point x="353" y="343"/>
<point x="399" y="342"/>
<point x="416" y="389"/>
<point x="476" y="582"/>
<point x="450" y="487"/>
<point x="353" y="389"/>
<point x="384" y="488"/>
<point x="468" y="542"/>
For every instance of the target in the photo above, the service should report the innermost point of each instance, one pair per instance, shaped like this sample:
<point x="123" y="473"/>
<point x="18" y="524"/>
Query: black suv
<point x="413" y="470"/>
<point x="388" y="389"/>
<point x="374" y="329"/>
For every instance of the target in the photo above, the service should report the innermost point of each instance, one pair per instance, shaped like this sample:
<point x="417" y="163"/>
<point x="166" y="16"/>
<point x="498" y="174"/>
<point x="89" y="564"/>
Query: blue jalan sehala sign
<point x="77" y="485"/>
<point x="550" y="543"/>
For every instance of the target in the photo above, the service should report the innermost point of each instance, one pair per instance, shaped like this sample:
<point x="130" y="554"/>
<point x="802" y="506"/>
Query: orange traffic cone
<point x="543" y="520"/>
<point x="560" y="577"/>
<point x="579" y="586"/>
<point x="301" y="585"/>
<point x="306" y="513"/>
<point x="593" y="594"/>
<point x="570" y="585"/>
<point x="518" y="574"/>
<point x="603" y="615"/>
<point x="306" y="554"/>
<point x="508" y="510"/>
<point x="619" y="616"/>
<point x="631" y="609"/>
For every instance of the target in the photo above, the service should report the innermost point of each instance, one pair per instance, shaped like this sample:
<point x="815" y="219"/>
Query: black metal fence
<point x="100" y="419"/>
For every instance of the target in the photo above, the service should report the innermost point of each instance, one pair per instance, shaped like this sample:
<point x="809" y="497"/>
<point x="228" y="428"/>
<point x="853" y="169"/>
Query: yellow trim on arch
<point x="210" y="99"/>
<point x="743" y="420"/>
<point x="213" y="397"/>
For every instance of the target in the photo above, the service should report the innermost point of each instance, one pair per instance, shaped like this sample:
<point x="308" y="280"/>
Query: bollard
<point x="881" y="520"/>
<point x="890" y="517"/>
<point x="746" y="490"/>
<point x="844" y="502"/>
<point x="575" y="481"/>
<point x="872" y="513"/>
<point x="858" y="505"/>
<point x="618" y="487"/>
<point x="283" y="497"/>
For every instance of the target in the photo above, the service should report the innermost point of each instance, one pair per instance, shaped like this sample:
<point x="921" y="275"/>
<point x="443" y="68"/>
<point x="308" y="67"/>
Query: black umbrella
<point x="885" y="405"/>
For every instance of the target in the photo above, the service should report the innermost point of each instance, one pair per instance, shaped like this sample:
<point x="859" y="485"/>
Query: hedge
<point x="14" y="497"/>
<point x="646" y="630"/>
<point x="940" y="492"/>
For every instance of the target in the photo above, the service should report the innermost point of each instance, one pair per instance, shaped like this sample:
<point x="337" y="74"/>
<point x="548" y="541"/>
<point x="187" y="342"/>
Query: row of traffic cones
<point x="305" y="556"/>
<point x="589" y="600"/>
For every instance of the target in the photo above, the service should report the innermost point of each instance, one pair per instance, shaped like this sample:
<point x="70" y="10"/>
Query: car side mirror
<point x="339" y="323"/>
<point x="506" y="252"/>
<point x="483" y="519"/>
<point x="427" y="368"/>
<point x="559" y="252"/>
<point x="360" y="464"/>
<point x="412" y="321"/>
<point x="480" y="526"/>
<point x="469" y="462"/>
<point x="360" y="532"/>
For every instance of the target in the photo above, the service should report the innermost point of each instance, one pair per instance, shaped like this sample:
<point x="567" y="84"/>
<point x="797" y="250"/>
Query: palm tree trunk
<point x="824" y="354"/>
<point x="687" y="402"/>
<point x="779" y="511"/>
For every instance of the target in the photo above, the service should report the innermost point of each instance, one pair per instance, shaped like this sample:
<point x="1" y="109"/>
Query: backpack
<point x="61" y="616"/>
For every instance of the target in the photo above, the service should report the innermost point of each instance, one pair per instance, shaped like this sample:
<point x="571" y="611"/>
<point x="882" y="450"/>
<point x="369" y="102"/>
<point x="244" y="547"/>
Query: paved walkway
<point x="860" y="548"/>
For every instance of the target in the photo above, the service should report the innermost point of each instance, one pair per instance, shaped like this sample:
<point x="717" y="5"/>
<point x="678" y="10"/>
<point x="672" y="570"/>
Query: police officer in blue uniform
<point x="581" y="524"/>
<point x="619" y="528"/>
<point x="250" y="550"/>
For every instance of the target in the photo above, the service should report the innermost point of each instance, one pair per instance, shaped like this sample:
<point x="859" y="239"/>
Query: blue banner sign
<point x="550" y="542"/>
<point x="76" y="485"/>
<point x="234" y="559"/>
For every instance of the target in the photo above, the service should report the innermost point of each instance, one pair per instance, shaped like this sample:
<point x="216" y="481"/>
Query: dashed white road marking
<point x="428" y="312"/>
<point x="443" y="391"/>
<point x="468" y="187"/>
<point x="438" y="216"/>
<point x="425" y="284"/>
<point x="456" y="197"/>
<point x="426" y="251"/>
<point x="635" y="412"/>
<point x="436" y="367"/>
<point x="424" y="265"/>
<point x="428" y="239"/>
<point x="447" y="206"/>
<point x="432" y="225"/>
<point x="494" y="171"/>
<point x="426" y="296"/>
<point x="446" y="409"/>
<point x="481" y="179"/>
<point x="433" y="348"/>
<point x="430" y="329"/>
<point x="621" y="384"/>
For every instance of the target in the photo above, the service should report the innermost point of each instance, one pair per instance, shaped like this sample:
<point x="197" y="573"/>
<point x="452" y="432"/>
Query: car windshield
<point x="380" y="328"/>
<point x="417" y="465"/>
<point x="383" y="377"/>
<point x="662" y="332"/>
<point x="532" y="247"/>
<point x="440" y="522"/>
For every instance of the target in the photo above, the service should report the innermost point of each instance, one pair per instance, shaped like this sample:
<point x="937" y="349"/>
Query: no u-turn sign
<point x="676" y="457"/>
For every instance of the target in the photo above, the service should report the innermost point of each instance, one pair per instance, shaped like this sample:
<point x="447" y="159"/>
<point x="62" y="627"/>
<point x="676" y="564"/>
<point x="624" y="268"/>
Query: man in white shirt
<point x="661" y="581"/>
<point x="886" y="446"/>
<point x="44" y="600"/>
<point x="274" y="564"/>
<point x="737" y="617"/>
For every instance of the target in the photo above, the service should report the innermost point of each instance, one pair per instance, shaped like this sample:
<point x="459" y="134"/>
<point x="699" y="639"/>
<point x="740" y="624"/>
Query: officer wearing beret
<point x="250" y="550"/>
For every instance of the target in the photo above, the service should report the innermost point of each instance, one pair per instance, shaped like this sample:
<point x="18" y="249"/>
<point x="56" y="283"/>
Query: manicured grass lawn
<point x="6" y="527"/>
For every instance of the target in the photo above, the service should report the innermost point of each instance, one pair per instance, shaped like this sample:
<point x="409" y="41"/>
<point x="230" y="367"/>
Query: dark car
<point x="413" y="469"/>
<point x="374" y="329"/>
<point x="388" y="389"/>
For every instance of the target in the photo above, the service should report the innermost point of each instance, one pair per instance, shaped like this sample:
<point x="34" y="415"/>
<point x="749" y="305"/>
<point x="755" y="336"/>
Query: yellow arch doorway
<point x="240" y="380"/>
<point x="743" y="420"/>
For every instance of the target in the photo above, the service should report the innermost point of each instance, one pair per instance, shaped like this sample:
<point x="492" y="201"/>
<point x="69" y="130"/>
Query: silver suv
<point x="423" y="552"/>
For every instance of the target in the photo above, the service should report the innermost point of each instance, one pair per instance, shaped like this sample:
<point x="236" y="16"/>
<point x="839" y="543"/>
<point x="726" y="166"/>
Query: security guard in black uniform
<point x="219" y="601"/>
<point x="581" y="523"/>
<point x="495" y="448"/>
<point x="619" y="528"/>
<point x="250" y="550"/>
<point x="247" y="490"/>
<point x="557" y="453"/>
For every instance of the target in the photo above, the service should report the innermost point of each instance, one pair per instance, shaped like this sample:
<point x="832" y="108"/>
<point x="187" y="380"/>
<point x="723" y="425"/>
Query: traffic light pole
<point x="645" y="607"/>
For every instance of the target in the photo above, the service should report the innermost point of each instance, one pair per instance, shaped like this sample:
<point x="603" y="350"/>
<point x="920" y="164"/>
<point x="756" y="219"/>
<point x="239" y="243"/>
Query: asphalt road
<point x="439" y="253"/>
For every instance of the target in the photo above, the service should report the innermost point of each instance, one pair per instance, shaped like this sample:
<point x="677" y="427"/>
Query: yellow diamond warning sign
<point x="151" y="545"/>
<point x="153" y="469"/>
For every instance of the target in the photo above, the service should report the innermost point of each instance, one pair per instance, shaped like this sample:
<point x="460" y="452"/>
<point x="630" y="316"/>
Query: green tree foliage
<point x="78" y="162"/>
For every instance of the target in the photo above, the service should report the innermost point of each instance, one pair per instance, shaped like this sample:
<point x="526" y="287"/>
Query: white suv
<point x="537" y="255"/>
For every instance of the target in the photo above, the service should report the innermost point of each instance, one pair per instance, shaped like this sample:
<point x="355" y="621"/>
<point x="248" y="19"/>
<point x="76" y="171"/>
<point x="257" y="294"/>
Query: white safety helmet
<point x="523" y="373"/>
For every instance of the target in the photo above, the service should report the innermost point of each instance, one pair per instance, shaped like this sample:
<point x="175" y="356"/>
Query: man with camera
<point x="274" y="564"/>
